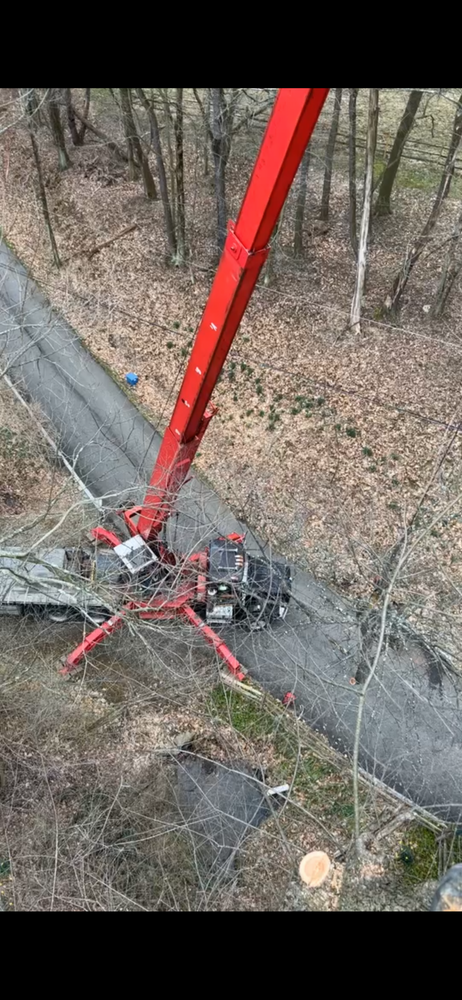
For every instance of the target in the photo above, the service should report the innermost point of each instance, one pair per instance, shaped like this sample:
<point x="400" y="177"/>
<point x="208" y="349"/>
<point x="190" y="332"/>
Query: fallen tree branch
<point x="236" y="685"/>
<point x="112" y="239"/>
<point x="108" y="142"/>
<point x="100" y="246"/>
<point x="363" y="694"/>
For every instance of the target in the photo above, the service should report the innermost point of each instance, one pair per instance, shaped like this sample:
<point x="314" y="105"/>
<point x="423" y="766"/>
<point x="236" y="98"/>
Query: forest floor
<point x="324" y="442"/>
<point x="88" y="813"/>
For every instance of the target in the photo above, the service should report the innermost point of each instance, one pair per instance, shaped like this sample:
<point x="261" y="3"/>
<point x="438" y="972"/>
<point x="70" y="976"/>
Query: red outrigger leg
<point x="91" y="640"/>
<point x="214" y="640"/>
<point x="75" y="658"/>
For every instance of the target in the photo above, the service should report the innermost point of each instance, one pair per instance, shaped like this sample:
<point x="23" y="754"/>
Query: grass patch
<point x="422" y="179"/>
<point x="416" y="177"/>
<point x="319" y="783"/>
<point x="417" y="859"/>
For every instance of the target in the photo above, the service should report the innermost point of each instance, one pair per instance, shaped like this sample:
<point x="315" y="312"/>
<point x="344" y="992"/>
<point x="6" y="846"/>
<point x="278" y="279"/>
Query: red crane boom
<point x="288" y="132"/>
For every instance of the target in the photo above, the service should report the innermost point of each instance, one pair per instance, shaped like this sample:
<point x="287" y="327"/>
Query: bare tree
<point x="452" y="267"/>
<point x="169" y="128"/>
<point x="164" y="194"/>
<point x="270" y="269"/>
<point x="355" y="315"/>
<point x="179" y="178"/>
<point x="221" y="125"/>
<point x="129" y="129"/>
<point x="71" y="116"/>
<point x="31" y="106"/>
<point x="382" y="205"/>
<point x="77" y="135"/>
<point x="301" y="203"/>
<point x="28" y="97"/>
<point x="208" y="112"/>
<point x="353" y="97"/>
<point x="56" y="126"/>
<point x="217" y="118"/>
<point x="137" y="158"/>
<point x="393" y="300"/>
<point x="324" y="213"/>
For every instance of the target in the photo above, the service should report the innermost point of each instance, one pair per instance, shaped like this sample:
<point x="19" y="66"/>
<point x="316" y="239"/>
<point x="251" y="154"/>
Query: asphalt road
<point x="411" y="733"/>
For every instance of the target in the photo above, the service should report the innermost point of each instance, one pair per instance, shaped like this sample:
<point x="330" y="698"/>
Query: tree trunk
<point x="179" y="179"/>
<point x="150" y="189"/>
<point x="77" y="135"/>
<point x="221" y="145"/>
<point x="355" y="316"/>
<point x="29" y="104"/>
<point x="57" y="130"/>
<point x="301" y="203"/>
<point x="84" y="119"/>
<point x="136" y="155"/>
<point x="393" y="301"/>
<point x="324" y="214"/>
<point x="208" y="114"/>
<point x="452" y="267"/>
<point x="353" y="97"/>
<point x="31" y="107"/>
<point x="129" y="130"/>
<point x="155" y="138"/>
<point x="67" y="94"/>
<point x="270" y="269"/>
<point x="382" y="205"/>
<point x="169" y="129"/>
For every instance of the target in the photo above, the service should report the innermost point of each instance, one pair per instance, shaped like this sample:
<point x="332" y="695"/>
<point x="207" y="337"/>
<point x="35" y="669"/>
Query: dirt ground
<point x="87" y="796"/>
<point x="324" y="443"/>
